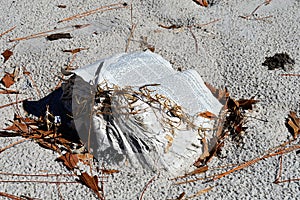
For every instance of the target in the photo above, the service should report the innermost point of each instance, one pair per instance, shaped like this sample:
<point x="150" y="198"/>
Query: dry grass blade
<point x="100" y="9"/>
<point x="9" y="30"/>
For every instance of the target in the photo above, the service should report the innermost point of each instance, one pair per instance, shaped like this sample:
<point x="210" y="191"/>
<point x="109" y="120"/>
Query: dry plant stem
<point x="289" y="74"/>
<point x="194" y="37"/>
<point x="46" y="33"/>
<point x="146" y="186"/>
<point x="10" y="196"/>
<point x="33" y="82"/>
<point x="13" y="103"/>
<point x="68" y="68"/>
<point x="288" y="180"/>
<point x="253" y="12"/>
<point x="9" y="30"/>
<point x="34" y="175"/>
<point x="100" y="9"/>
<point x="13" y="144"/>
<point x="35" y="181"/>
<point x="133" y="26"/>
<point x="205" y="190"/>
<point x="59" y="192"/>
<point x="253" y="161"/>
<point x="280" y="170"/>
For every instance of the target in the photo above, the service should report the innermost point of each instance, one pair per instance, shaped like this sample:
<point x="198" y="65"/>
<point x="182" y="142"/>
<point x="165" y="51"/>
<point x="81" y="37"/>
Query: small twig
<point x="9" y="30"/>
<point x="253" y="161"/>
<point x="100" y="9"/>
<point x="130" y="36"/>
<point x="10" y="196"/>
<point x="205" y="190"/>
<point x="196" y="42"/>
<point x="13" y="103"/>
<point x="173" y="26"/>
<point x="33" y="82"/>
<point x="146" y="186"/>
<point x="279" y="171"/>
<point x="13" y="144"/>
<point x="46" y="33"/>
<point x="35" y="175"/>
<point x="36" y="181"/>
<point x="133" y="26"/>
<point x="289" y="74"/>
<point x="252" y="14"/>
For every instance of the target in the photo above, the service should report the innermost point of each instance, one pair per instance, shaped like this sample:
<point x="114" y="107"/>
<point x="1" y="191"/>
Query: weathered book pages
<point x="135" y="110"/>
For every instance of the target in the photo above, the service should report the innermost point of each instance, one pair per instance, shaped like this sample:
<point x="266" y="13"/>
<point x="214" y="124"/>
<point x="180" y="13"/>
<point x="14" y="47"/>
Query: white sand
<point x="230" y="52"/>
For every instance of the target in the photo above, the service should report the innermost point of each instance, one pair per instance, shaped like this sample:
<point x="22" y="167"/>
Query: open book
<point x="135" y="110"/>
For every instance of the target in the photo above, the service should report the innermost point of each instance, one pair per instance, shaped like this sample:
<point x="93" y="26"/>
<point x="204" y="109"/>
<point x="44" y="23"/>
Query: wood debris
<point x="57" y="36"/>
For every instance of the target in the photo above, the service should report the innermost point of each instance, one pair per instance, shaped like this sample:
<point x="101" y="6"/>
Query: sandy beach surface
<point x="223" y="42"/>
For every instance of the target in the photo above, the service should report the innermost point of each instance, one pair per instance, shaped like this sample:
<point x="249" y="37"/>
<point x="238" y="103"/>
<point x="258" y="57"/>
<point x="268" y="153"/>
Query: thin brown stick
<point x="146" y="186"/>
<point x="36" y="181"/>
<point x="133" y="26"/>
<point x="35" y="175"/>
<point x="10" y="196"/>
<point x="33" y="82"/>
<point x="288" y="180"/>
<point x="9" y="30"/>
<point x="289" y="74"/>
<point x="205" y="190"/>
<point x="194" y="37"/>
<point x="100" y="9"/>
<point x="252" y="14"/>
<point x="253" y="161"/>
<point x="46" y="33"/>
<point x="13" y="144"/>
<point x="280" y="170"/>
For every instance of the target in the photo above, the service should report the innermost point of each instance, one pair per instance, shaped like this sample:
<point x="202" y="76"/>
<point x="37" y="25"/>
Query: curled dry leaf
<point x="294" y="123"/>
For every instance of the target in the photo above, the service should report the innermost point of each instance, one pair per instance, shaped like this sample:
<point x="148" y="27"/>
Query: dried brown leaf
<point x="70" y="160"/>
<point x="8" y="80"/>
<point x="247" y="104"/>
<point x="201" y="2"/>
<point x="207" y="115"/>
<point x="91" y="182"/>
<point x="7" y="54"/>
